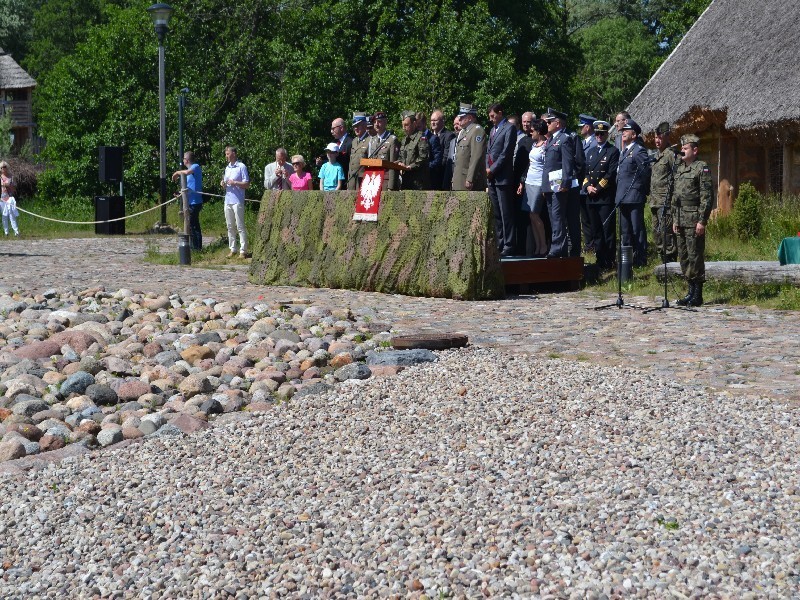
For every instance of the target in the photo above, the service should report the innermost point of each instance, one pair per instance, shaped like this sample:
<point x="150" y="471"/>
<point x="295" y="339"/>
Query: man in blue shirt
<point x="194" y="182"/>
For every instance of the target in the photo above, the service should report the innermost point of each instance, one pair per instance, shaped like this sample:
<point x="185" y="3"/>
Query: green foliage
<point x="746" y="212"/>
<point x="15" y="25"/>
<point x="56" y="27"/>
<point x="6" y="123"/>
<point x="619" y="56"/>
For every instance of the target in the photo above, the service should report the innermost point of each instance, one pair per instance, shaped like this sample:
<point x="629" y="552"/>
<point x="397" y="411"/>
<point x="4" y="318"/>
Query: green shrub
<point x="747" y="212"/>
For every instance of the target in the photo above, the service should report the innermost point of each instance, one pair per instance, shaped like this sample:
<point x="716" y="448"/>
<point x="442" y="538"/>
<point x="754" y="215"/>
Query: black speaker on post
<point x="110" y="164"/>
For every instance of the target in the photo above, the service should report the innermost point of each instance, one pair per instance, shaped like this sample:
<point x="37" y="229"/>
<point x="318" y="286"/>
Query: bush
<point x="747" y="212"/>
<point x="25" y="175"/>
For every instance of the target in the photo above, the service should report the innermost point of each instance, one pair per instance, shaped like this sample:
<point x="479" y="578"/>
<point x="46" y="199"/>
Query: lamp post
<point x="181" y="107"/>
<point x="160" y="13"/>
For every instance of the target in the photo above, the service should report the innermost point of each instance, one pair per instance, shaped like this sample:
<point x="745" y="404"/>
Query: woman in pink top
<point x="300" y="179"/>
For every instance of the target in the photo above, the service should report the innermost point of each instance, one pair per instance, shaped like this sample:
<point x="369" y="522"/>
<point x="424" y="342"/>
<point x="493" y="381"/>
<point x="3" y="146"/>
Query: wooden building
<point x="16" y="89"/>
<point x="733" y="80"/>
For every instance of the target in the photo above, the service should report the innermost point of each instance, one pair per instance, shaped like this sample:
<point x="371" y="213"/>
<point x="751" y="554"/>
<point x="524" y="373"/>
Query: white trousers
<point x="10" y="217"/>
<point x="234" y="219"/>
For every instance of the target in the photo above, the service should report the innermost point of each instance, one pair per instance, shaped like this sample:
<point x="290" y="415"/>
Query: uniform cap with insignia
<point x="584" y="119"/>
<point x="690" y="138"/>
<point x="662" y="128"/>
<point x="379" y="115"/>
<point x="632" y="125"/>
<point x="359" y="117"/>
<point x="552" y="113"/>
<point x="466" y="109"/>
<point x="601" y="126"/>
<point x="406" y="114"/>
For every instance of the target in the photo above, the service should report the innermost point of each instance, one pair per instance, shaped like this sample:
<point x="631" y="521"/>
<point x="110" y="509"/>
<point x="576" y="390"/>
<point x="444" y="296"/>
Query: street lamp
<point x="160" y="13"/>
<point x="181" y="106"/>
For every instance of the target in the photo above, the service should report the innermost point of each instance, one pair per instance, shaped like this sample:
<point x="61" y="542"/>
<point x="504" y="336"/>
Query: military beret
<point x="690" y="138"/>
<point x="632" y="125"/>
<point x="466" y="109"/>
<point x="601" y="126"/>
<point x="662" y="128"/>
<point x="584" y="119"/>
<point x="379" y="115"/>
<point x="359" y="117"/>
<point x="552" y="113"/>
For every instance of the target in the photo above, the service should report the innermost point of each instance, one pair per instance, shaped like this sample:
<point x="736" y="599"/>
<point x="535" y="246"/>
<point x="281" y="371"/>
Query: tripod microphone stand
<point x="664" y="233"/>
<point x="620" y="302"/>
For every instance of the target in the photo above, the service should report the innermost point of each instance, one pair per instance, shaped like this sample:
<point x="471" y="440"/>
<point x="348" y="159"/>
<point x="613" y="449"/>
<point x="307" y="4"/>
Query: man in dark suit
<point x="500" y="177"/>
<point x="633" y="185"/>
<point x="445" y="137"/>
<point x="345" y="142"/>
<point x="558" y="178"/>
<point x="599" y="187"/>
<point x="586" y="123"/>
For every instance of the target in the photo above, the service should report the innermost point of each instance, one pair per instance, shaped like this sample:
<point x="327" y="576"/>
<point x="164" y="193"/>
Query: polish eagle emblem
<point x="370" y="187"/>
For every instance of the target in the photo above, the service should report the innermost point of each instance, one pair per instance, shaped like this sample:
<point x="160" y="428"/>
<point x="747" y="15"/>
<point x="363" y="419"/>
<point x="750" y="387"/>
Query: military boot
<point x="697" y="297"/>
<point x="688" y="297"/>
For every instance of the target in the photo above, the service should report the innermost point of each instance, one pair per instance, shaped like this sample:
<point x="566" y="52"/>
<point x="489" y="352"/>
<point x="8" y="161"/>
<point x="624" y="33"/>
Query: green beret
<point x="662" y="128"/>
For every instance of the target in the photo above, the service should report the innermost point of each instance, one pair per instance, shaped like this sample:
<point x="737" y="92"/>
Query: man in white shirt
<point x="276" y="174"/>
<point x="235" y="181"/>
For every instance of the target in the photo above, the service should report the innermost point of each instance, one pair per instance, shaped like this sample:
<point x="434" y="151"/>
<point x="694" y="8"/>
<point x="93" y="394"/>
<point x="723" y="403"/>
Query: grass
<point x="780" y="219"/>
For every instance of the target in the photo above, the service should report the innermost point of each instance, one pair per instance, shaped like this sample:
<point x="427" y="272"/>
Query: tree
<point x="619" y="56"/>
<point x="56" y="27"/>
<point x="268" y="73"/>
<point x="15" y="25"/>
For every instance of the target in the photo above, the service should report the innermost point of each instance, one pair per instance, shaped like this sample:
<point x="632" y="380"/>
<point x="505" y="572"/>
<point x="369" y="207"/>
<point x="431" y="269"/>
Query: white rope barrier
<point x="220" y="196"/>
<point x="95" y="222"/>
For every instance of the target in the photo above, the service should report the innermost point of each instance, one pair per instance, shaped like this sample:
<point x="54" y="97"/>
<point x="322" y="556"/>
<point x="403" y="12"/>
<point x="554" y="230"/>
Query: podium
<point x="377" y="163"/>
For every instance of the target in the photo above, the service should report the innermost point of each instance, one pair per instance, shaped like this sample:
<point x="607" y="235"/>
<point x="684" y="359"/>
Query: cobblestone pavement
<point x="739" y="350"/>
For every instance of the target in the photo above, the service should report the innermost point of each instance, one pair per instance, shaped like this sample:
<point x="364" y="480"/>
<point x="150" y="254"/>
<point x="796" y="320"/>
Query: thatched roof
<point x="739" y="60"/>
<point x="12" y="76"/>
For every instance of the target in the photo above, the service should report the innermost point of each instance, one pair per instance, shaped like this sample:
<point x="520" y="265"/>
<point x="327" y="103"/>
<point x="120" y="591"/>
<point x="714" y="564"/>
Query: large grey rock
<point x="282" y="334"/>
<point x="102" y="395"/>
<point x="76" y="383"/>
<point x="401" y="358"/>
<point x="28" y="408"/>
<point x="106" y="437"/>
<point x="311" y="389"/>
<point x="11" y="449"/>
<point x="206" y="337"/>
<point x="352" y="371"/>
<point x="167" y="358"/>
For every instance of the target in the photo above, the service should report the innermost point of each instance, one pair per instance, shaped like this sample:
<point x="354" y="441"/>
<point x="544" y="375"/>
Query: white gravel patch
<point x="485" y="474"/>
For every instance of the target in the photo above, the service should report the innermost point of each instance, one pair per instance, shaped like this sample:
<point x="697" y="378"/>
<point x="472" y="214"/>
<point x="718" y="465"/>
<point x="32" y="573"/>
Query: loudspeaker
<point x="110" y="164"/>
<point x="109" y="207"/>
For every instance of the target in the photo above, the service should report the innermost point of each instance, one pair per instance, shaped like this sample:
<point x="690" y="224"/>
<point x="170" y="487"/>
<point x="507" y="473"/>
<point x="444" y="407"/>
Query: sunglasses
<point x="297" y="163"/>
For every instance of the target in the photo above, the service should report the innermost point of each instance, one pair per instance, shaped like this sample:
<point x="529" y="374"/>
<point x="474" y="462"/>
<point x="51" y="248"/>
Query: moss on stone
<point x="438" y="244"/>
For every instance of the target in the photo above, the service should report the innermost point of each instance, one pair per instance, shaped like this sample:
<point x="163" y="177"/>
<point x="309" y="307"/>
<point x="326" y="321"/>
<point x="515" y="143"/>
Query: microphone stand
<point x="620" y="302"/>
<point x="664" y="232"/>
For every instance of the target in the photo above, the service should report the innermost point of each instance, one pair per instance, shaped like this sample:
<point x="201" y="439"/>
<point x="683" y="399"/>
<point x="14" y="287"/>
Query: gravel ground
<point x="484" y="474"/>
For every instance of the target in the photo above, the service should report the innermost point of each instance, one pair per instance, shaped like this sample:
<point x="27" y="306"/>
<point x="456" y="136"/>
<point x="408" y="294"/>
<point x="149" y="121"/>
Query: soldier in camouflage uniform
<point x="357" y="151"/>
<point x="384" y="146"/>
<point x="659" y="187"/>
<point x="691" y="208"/>
<point x="469" y="163"/>
<point x="415" y="155"/>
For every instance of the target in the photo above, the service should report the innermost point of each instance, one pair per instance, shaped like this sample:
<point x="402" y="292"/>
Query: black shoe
<point x="697" y="297"/>
<point x="688" y="297"/>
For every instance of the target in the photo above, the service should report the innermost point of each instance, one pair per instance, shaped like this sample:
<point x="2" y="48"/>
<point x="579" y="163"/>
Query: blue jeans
<point x="195" y="235"/>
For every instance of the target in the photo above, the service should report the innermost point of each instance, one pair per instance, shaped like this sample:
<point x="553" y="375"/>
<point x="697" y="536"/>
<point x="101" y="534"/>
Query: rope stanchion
<point x="27" y="212"/>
